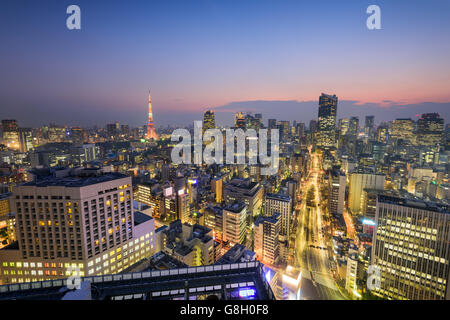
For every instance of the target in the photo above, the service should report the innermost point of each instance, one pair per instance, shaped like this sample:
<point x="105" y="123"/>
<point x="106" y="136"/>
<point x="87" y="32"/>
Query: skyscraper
<point x="10" y="134"/>
<point x="353" y="127"/>
<point x="369" y="124"/>
<point x="411" y="246"/>
<point x="430" y="129"/>
<point x="239" y="120"/>
<point x="151" y="133"/>
<point x="209" y="121"/>
<point x="403" y="129"/>
<point x="327" y="121"/>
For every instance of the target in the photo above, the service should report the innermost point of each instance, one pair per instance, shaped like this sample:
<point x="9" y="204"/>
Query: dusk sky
<point x="273" y="57"/>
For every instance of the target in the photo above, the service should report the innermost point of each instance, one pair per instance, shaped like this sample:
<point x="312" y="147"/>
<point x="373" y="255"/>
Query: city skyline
<point x="218" y="55"/>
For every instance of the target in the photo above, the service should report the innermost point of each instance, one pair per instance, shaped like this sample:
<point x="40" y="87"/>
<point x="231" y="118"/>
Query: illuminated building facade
<point x="411" y="246"/>
<point x="267" y="231"/>
<point x="10" y="134"/>
<point x="360" y="181"/>
<point x="403" y="129"/>
<point x="74" y="218"/>
<point x="239" y="120"/>
<point x="327" y="121"/>
<point x="209" y="121"/>
<point x="235" y="223"/>
<point x="217" y="188"/>
<point x="336" y="191"/>
<point x="279" y="203"/>
<point x="430" y="130"/>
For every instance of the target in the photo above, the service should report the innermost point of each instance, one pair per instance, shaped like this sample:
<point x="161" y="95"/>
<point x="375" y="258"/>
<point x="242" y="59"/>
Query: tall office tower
<point x="279" y="203"/>
<point x="343" y="125"/>
<point x="259" y="119"/>
<point x="239" y="120"/>
<point x="209" y="121"/>
<point x="403" y="129"/>
<point x="383" y="133"/>
<point x="272" y="123"/>
<point x="300" y="130"/>
<point x="360" y="181"/>
<point x="313" y="126"/>
<point x="235" y="223"/>
<point x="336" y="191"/>
<point x="283" y="126"/>
<point x="251" y="193"/>
<point x="151" y="132"/>
<point x="353" y="127"/>
<point x="25" y="139"/>
<point x="327" y="121"/>
<point x="217" y="188"/>
<point x="411" y="246"/>
<point x="10" y="134"/>
<point x="267" y="231"/>
<point x="430" y="130"/>
<point x="369" y="125"/>
<point x="75" y="218"/>
<point x="183" y="208"/>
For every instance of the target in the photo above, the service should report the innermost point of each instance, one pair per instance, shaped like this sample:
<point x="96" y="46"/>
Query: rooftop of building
<point x="414" y="203"/>
<point x="76" y="177"/>
<point x="238" y="253"/>
<point x="278" y="196"/>
<point x="158" y="284"/>
<point x="272" y="219"/>
<point x="163" y="261"/>
<point x="242" y="184"/>
<point x="140" y="217"/>
<point x="235" y="207"/>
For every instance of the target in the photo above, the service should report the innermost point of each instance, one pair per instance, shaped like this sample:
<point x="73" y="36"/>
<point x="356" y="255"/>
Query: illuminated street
<point x="311" y="244"/>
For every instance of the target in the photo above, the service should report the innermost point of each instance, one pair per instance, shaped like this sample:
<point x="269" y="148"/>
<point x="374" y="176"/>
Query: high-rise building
<point x="430" y="130"/>
<point x="235" y="223"/>
<point x="25" y="139"/>
<point x="75" y="218"/>
<point x="382" y="133"/>
<point x="239" y="120"/>
<point x="284" y="128"/>
<point x="151" y="132"/>
<point x="209" y="121"/>
<point x="251" y="193"/>
<point x="353" y="127"/>
<point x="360" y="181"/>
<point x="411" y="247"/>
<point x="343" y="126"/>
<point x="336" y="191"/>
<point x="369" y="125"/>
<point x="279" y="203"/>
<point x="327" y="121"/>
<point x="217" y="188"/>
<point x="272" y="123"/>
<point x="403" y="129"/>
<point x="267" y="231"/>
<point x="313" y="126"/>
<point x="10" y="134"/>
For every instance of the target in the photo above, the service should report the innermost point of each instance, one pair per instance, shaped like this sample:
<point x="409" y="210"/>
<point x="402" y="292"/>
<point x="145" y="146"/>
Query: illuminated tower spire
<point x="151" y="133"/>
